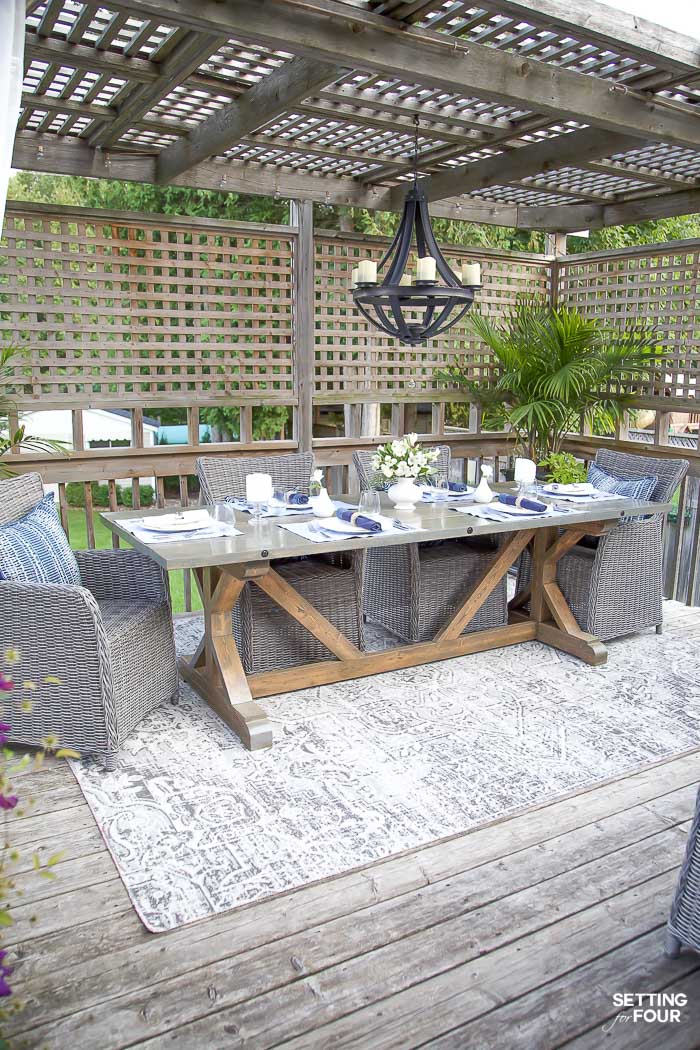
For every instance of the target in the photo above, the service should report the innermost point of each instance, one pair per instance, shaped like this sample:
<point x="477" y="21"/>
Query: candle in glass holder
<point x="355" y="275"/>
<point x="471" y="273"/>
<point x="258" y="488"/>
<point x="367" y="272"/>
<point x="525" y="473"/>
<point x="427" y="268"/>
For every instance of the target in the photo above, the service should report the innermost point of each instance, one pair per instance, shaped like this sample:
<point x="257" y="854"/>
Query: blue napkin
<point x="522" y="501"/>
<point x="347" y="514"/>
<point x="457" y="486"/>
<point x="293" y="497"/>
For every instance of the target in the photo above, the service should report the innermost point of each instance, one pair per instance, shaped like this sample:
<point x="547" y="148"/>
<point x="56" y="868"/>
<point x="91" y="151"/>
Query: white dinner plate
<point x="158" y="525"/>
<point x="344" y="528"/>
<point x="579" y="488"/>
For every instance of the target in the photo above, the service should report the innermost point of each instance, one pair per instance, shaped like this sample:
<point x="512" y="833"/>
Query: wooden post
<point x="302" y="216"/>
<point x="662" y="426"/>
<point x="555" y="245"/>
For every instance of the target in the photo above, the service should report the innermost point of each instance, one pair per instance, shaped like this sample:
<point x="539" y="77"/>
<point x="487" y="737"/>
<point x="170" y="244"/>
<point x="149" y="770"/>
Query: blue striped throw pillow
<point x="35" y="548"/>
<point x="636" y="488"/>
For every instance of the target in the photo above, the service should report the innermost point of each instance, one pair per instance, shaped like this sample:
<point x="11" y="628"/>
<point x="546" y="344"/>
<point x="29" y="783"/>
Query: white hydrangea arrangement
<point x="404" y="458"/>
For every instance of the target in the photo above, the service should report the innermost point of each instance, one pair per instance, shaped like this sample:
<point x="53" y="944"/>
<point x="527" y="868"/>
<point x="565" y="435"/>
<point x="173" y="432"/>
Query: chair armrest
<point x="58" y="630"/>
<point x="122" y="575"/>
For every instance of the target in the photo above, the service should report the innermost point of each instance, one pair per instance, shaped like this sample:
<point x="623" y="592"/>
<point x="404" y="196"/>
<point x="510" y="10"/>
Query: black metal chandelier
<point x="386" y="304"/>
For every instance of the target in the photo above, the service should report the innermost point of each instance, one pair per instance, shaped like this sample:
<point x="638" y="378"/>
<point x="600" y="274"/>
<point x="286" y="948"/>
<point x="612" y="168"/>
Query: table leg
<point x="216" y="671"/>
<point x="556" y="624"/>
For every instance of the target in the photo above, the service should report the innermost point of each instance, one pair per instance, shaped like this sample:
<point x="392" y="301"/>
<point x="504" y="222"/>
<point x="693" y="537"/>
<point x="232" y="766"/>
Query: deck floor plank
<point x="445" y="946"/>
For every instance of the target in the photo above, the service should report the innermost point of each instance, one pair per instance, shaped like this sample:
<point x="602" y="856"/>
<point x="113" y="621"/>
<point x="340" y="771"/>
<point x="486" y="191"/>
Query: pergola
<point x="555" y="115"/>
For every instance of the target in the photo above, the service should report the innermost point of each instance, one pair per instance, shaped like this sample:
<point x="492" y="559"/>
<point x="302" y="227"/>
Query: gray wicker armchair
<point x="268" y="637"/>
<point x="683" y="928"/>
<point x="413" y="589"/>
<point x="109" y="641"/>
<point x="615" y="587"/>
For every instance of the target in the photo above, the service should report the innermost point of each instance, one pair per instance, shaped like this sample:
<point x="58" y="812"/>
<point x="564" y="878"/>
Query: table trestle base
<point x="216" y="672"/>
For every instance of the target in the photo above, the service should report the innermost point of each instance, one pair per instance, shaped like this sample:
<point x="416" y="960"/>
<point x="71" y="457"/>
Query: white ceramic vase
<point x="404" y="494"/>
<point x="322" y="505"/>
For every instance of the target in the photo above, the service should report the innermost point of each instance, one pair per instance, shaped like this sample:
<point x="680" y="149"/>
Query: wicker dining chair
<point x="413" y="589"/>
<point x="683" y="927"/>
<point x="615" y="586"/>
<point x="109" y="642"/>
<point x="266" y="635"/>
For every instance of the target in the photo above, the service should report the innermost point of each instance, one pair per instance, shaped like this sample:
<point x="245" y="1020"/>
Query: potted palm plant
<point x="556" y="369"/>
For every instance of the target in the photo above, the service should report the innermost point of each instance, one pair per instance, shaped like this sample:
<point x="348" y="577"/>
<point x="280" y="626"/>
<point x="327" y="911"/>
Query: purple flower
<point x="8" y="802"/>
<point x="5" y="731"/>
<point x="6" y="685"/>
<point x="5" y="971"/>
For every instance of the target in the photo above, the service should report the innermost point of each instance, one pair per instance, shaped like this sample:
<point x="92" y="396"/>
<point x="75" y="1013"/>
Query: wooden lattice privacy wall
<point x="121" y="309"/>
<point x="658" y="284"/>
<point x="126" y="309"/>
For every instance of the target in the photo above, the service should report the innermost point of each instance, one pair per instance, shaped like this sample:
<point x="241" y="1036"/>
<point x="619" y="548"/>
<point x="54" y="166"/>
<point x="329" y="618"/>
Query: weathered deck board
<point x="525" y="925"/>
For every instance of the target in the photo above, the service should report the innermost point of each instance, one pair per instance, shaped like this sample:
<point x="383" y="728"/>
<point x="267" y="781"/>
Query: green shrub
<point x="146" y="492"/>
<point x="75" y="494"/>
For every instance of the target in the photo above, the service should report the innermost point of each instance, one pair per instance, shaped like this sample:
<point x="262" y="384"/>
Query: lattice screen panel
<point x="354" y="358"/>
<point x="656" y="284"/>
<point x="163" y="311"/>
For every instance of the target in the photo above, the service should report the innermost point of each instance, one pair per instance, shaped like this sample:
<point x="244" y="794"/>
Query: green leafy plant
<point x="554" y="369"/>
<point x="17" y="438"/>
<point x="564" y="468"/>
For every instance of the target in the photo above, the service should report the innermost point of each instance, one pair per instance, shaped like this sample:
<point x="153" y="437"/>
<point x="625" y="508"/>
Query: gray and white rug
<point x="365" y="769"/>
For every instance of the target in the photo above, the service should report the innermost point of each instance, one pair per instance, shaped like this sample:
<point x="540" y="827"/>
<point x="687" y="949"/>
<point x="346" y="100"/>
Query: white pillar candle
<point x="367" y="272"/>
<point x="258" y="488"/>
<point x="355" y="275"/>
<point x="471" y="273"/>
<point x="405" y="279"/>
<point x="525" y="471"/>
<point x="427" y="268"/>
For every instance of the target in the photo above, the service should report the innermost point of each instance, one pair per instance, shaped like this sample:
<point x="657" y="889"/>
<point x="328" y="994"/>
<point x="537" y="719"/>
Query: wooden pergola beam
<point x="67" y="155"/>
<point x="612" y="28"/>
<point x="185" y="59"/>
<point x="271" y="96"/>
<point x="324" y="29"/>
<point x="513" y="165"/>
<point x="586" y="216"/>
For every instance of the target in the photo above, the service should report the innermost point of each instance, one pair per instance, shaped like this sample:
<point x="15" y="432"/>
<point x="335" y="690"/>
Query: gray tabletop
<point x="268" y="541"/>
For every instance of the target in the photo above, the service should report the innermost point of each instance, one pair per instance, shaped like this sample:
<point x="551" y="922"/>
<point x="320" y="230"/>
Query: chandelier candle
<point x="471" y="274"/>
<point x="426" y="269"/>
<point x="367" y="272"/>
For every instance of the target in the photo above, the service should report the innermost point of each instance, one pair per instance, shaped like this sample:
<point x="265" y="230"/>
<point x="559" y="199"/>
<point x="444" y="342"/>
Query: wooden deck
<point x="516" y="935"/>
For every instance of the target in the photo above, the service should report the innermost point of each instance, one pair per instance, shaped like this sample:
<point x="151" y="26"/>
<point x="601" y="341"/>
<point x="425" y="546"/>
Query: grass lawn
<point x="77" y="526"/>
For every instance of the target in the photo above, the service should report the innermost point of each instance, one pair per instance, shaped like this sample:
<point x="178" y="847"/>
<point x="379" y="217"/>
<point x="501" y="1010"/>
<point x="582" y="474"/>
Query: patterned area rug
<point x="366" y="769"/>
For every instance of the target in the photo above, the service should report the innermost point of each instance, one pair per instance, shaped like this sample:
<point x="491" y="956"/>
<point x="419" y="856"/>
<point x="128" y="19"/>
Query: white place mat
<point x="214" y="531"/>
<point x="496" y="512"/>
<point x="598" y="497"/>
<point x="303" y="529"/>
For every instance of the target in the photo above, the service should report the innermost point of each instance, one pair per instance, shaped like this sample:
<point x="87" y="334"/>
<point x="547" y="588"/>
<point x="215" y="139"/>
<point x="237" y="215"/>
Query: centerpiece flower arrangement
<point x="404" y="461"/>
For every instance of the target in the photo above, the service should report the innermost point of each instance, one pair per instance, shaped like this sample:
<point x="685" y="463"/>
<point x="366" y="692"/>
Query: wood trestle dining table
<point x="223" y="566"/>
